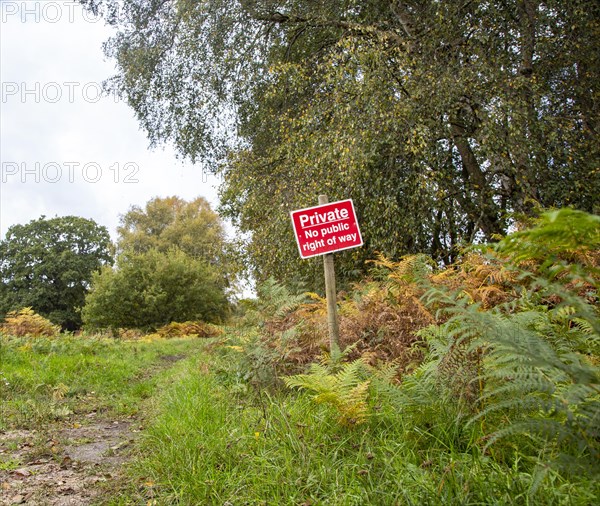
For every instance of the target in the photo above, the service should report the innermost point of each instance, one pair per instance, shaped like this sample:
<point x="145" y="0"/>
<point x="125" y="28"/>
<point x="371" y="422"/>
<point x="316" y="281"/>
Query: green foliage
<point x="346" y="389"/>
<point x="551" y="390"/>
<point x="149" y="290"/>
<point x="441" y="119"/>
<point x="565" y="242"/>
<point x="48" y="265"/>
<point x="266" y="334"/>
<point x="171" y="222"/>
<point x="529" y="367"/>
<point x="559" y="233"/>
<point x="258" y="365"/>
<point x="520" y="373"/>
<point x="276" y="300"/>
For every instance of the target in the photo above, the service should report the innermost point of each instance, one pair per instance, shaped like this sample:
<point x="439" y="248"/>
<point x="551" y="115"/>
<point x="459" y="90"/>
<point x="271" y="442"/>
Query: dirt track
<point x="63" y="465"/>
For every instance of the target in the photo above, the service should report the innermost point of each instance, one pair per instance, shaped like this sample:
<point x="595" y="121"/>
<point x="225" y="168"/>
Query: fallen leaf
<point x="66" y="462"/>
<point x="22" y="473"/>
<point x="39" y="462"/>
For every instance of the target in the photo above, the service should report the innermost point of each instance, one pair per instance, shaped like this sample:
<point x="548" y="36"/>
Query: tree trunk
<point x="483" y="212"/>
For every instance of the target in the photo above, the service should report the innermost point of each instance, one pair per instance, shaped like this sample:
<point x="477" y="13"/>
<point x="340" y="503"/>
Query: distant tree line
<point x="170" y="266"/>
<point x="47" y="264"/>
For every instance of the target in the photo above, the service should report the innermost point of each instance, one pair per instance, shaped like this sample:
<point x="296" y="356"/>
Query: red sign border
<point x="311" y="255"/>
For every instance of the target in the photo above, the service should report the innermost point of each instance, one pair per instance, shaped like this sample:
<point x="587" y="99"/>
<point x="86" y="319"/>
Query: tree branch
<point x="348" y="26"/>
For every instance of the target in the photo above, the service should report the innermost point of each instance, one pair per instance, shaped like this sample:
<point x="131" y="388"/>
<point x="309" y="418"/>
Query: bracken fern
<point x="346" y="389"/>
<point x="536" y="355"/>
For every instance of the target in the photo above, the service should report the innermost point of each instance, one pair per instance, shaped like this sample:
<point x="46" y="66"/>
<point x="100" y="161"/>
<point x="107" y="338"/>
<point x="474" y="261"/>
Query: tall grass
<point x="215" y="442"/>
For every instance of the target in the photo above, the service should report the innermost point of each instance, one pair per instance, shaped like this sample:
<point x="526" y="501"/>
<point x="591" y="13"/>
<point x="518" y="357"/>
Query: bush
<point x="150" y="290"/>
<point x="26" y="322"/>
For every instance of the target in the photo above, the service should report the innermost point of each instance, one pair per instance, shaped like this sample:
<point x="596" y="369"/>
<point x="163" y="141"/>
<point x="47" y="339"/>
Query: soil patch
<point x="62" y="467"/>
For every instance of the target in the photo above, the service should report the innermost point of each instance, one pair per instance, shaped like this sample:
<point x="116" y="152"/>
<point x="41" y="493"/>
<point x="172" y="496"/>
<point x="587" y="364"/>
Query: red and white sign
<point x="326" y="228"/>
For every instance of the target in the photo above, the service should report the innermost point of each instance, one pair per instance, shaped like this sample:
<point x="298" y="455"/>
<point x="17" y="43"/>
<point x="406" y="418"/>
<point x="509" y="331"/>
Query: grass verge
<point x="46" y="380"/>
<point x="214" y="440"/>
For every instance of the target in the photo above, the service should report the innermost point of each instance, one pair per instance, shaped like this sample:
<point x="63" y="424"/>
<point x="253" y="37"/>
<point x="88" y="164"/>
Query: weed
<point x="9" y="464"/>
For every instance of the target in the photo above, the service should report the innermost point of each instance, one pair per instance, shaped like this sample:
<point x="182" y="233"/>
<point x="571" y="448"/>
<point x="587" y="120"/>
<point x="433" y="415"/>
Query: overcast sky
<point x="63" y="149"/>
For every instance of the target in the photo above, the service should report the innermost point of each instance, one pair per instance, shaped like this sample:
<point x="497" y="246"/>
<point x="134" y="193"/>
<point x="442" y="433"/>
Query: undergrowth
<point x="496" y="355"/>
<point x="212" y="441"/>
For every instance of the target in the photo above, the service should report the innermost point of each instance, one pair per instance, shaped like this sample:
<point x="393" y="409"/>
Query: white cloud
<point x="62" y="152"/>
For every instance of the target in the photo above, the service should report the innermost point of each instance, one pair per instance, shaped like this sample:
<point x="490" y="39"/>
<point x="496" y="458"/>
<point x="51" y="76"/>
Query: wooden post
<point x="331" y="294"/>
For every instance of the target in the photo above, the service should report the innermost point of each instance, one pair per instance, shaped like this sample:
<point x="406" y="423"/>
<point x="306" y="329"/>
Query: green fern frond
<point x="553" y="392"/>
<point x="276" y="300"/>
<point x="334" y="360"/>
<point x="561" y="232"/>
<point x="386" y="373"/>
<point x="584" y="326"/>
<point x="537" y="378"/>
<point x="347" y="390"/>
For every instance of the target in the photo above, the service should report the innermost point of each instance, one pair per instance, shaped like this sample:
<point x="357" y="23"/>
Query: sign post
<point x="322" y="230"/>
<point x="331" y="295"/>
